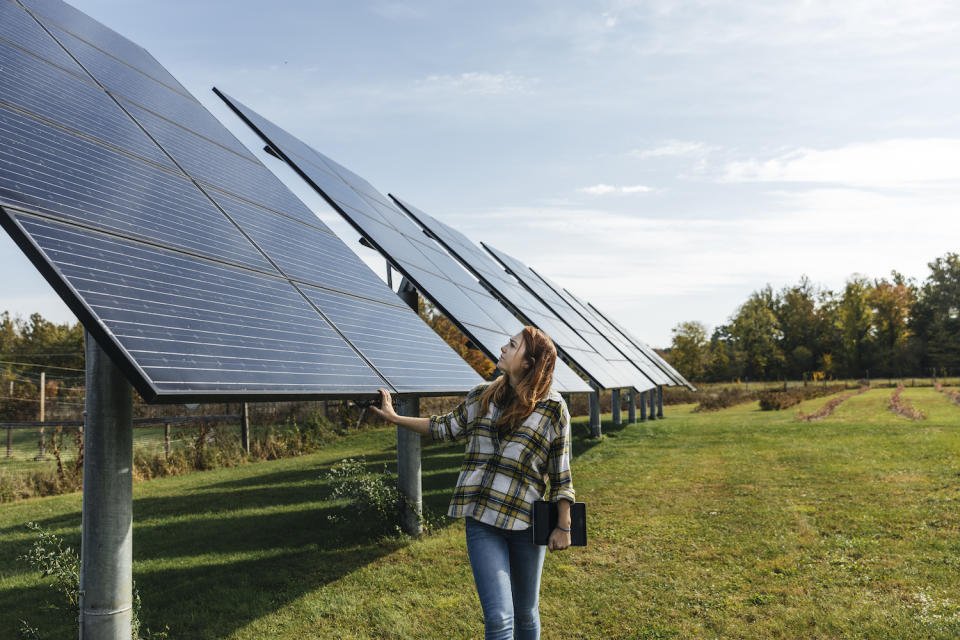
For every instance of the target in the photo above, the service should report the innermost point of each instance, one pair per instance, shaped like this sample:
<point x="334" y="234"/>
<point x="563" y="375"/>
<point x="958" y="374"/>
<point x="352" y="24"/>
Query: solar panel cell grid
<point x="20" y="28"/>
<point x="64" y="16"/>
<point x="183" y="300"/>
<point x="305" y="253"/>
<point x="385" y="336"/>
<point x="441" y="279"/>
<point x="190" y="323"/>
<point x="51" y="170"/>
<point x="32" y="84"/>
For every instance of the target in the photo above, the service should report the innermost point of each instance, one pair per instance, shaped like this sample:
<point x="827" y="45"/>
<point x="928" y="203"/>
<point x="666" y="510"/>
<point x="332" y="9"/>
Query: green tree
<point x="757" y="335"/>
<point x="892" y="303"/>
<point x="856" y="322"/>
<point x="689" y="350"/>
<point x="936" y="320"/>
<point x="799" y="321"/>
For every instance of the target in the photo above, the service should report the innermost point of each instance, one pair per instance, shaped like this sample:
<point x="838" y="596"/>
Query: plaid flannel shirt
<point x="499" y="481"/>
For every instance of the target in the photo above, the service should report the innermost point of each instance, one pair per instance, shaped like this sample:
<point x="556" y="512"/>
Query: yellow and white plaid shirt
<point x="499" y="481"/>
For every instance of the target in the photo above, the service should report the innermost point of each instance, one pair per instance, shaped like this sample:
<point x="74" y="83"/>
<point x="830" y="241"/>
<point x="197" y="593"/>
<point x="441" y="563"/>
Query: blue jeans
<point x="506" y="569"/>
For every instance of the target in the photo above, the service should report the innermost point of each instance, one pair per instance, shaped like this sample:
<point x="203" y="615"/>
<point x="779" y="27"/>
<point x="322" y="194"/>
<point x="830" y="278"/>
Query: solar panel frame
<point x="626" y="348"/>
<point x="71" y="188"/>
<point x="495" y="279"/>
<point x="628" y="374"/>
<point x="441" y="279"/>
<point x="645" y="348"/>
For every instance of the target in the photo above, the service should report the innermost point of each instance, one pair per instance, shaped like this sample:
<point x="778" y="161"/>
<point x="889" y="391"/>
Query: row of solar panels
<point x="205" y="278"/>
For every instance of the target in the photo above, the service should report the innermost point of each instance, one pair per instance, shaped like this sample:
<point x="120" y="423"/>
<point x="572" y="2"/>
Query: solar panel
<point x="570" y="344"/>
<point x="653" y="355"/>
<point x="192" y="265"/>
<point x="600" y="325"/>
<point x="477" y="314"/>
<point x="627" y="374"/>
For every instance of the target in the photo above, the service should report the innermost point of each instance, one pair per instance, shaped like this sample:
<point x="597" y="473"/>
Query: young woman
<point x="517" y="432"/>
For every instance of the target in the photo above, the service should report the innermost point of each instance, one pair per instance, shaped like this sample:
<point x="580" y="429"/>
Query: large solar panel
<point x="570" y="344"/>
<point x="623" y="346"/>
<point x="653" y="355"/>
<point x="192" y="265"/>
<point x="480" y="316"/>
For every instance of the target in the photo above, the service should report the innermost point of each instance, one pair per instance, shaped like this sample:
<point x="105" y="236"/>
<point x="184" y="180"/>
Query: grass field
<point x="734" y="524"/>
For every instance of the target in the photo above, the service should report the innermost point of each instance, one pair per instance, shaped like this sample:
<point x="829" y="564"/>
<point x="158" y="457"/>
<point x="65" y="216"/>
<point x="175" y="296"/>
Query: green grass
<point x="733" y="524"/>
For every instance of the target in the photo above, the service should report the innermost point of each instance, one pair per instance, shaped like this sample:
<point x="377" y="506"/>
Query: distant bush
<point x="680" y="395"/>
<point x="724" y="398"/>
<point x="777" y="400"/>
<point x="903" y="408"/>
<point x="950" y="393"/>
<point x="829" y="407"/>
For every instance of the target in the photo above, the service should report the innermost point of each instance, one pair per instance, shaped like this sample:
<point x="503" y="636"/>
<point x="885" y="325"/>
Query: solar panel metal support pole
<point x="660" y="401"/>
<point x="652" y="403"/>
<point x="643" y="406"/>
<point x="106" y="547"/>
<point x="409" y="448"/>
<point x="596" y="429"/>
<point x="632" y="409"/>
<point x="615" y="405"/>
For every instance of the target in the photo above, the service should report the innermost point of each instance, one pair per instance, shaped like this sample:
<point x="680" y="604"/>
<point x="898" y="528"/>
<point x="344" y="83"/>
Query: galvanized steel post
<point x="652" y="403"/>
<point x="596" y="429"/>
<point x="106" y="575"/>
<point x="643" y="406"/>
<point x="615" y="405"/>
<point x="408" y="447"/>
<point x="660" y="401"/>
<point x="632" y="410"/>
<point x="409" y="471"/>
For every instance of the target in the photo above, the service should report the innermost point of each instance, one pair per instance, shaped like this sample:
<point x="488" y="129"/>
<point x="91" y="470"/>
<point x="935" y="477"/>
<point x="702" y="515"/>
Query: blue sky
<point x="662" y="159"/>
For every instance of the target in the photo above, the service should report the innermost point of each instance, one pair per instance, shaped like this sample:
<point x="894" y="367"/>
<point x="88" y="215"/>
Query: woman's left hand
<point x="559" y="540"/>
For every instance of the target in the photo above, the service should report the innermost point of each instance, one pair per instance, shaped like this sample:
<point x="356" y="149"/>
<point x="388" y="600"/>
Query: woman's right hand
<point x="385" y="410"/>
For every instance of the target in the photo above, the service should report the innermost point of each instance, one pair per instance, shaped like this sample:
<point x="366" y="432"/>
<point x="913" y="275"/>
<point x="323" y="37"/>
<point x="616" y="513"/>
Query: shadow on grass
<point x="285" y="547"/>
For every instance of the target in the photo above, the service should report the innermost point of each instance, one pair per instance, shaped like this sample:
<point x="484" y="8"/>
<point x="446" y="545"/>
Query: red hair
<point x="516" y="403"/>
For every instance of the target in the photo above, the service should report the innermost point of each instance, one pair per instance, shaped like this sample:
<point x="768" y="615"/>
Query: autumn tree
<point x="455" y="338"/>
<point x="689" y="350"/>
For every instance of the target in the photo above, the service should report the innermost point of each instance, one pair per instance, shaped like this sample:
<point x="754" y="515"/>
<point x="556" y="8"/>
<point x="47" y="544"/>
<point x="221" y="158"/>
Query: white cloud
<point x="605" y="189"/>
<point x="480" y="83"/>
<point x="906" y="162"/>
<point x="672" y="148"/>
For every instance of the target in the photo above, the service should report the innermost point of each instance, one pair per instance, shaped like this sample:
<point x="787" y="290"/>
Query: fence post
<point x="106" y="577"/>
<point x="9" y="442"/>
<point x="245" y="427"/>
<point x="632" y="410"/>
<point x="43" y="435"/>
<point x="166" y="440"/>
<point x="615" y="405"/>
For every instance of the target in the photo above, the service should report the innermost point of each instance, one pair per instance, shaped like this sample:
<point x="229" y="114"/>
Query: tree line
<point x="882" y="327"/>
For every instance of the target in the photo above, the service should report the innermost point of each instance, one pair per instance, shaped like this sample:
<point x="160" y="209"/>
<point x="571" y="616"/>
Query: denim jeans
<point x="506" y="569"/>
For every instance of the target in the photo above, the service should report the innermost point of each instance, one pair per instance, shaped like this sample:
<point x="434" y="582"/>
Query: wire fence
<point x="54" y="448"/>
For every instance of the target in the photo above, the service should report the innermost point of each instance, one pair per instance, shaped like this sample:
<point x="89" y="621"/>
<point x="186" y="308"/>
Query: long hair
<point x="517" y="403"/>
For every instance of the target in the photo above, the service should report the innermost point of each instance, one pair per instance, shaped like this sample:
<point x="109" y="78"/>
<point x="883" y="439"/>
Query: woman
<point x="517" y="432"/>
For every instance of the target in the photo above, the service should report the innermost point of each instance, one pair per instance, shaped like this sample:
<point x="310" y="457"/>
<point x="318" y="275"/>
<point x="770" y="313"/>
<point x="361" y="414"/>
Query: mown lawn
<point x="734" y="524"/>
